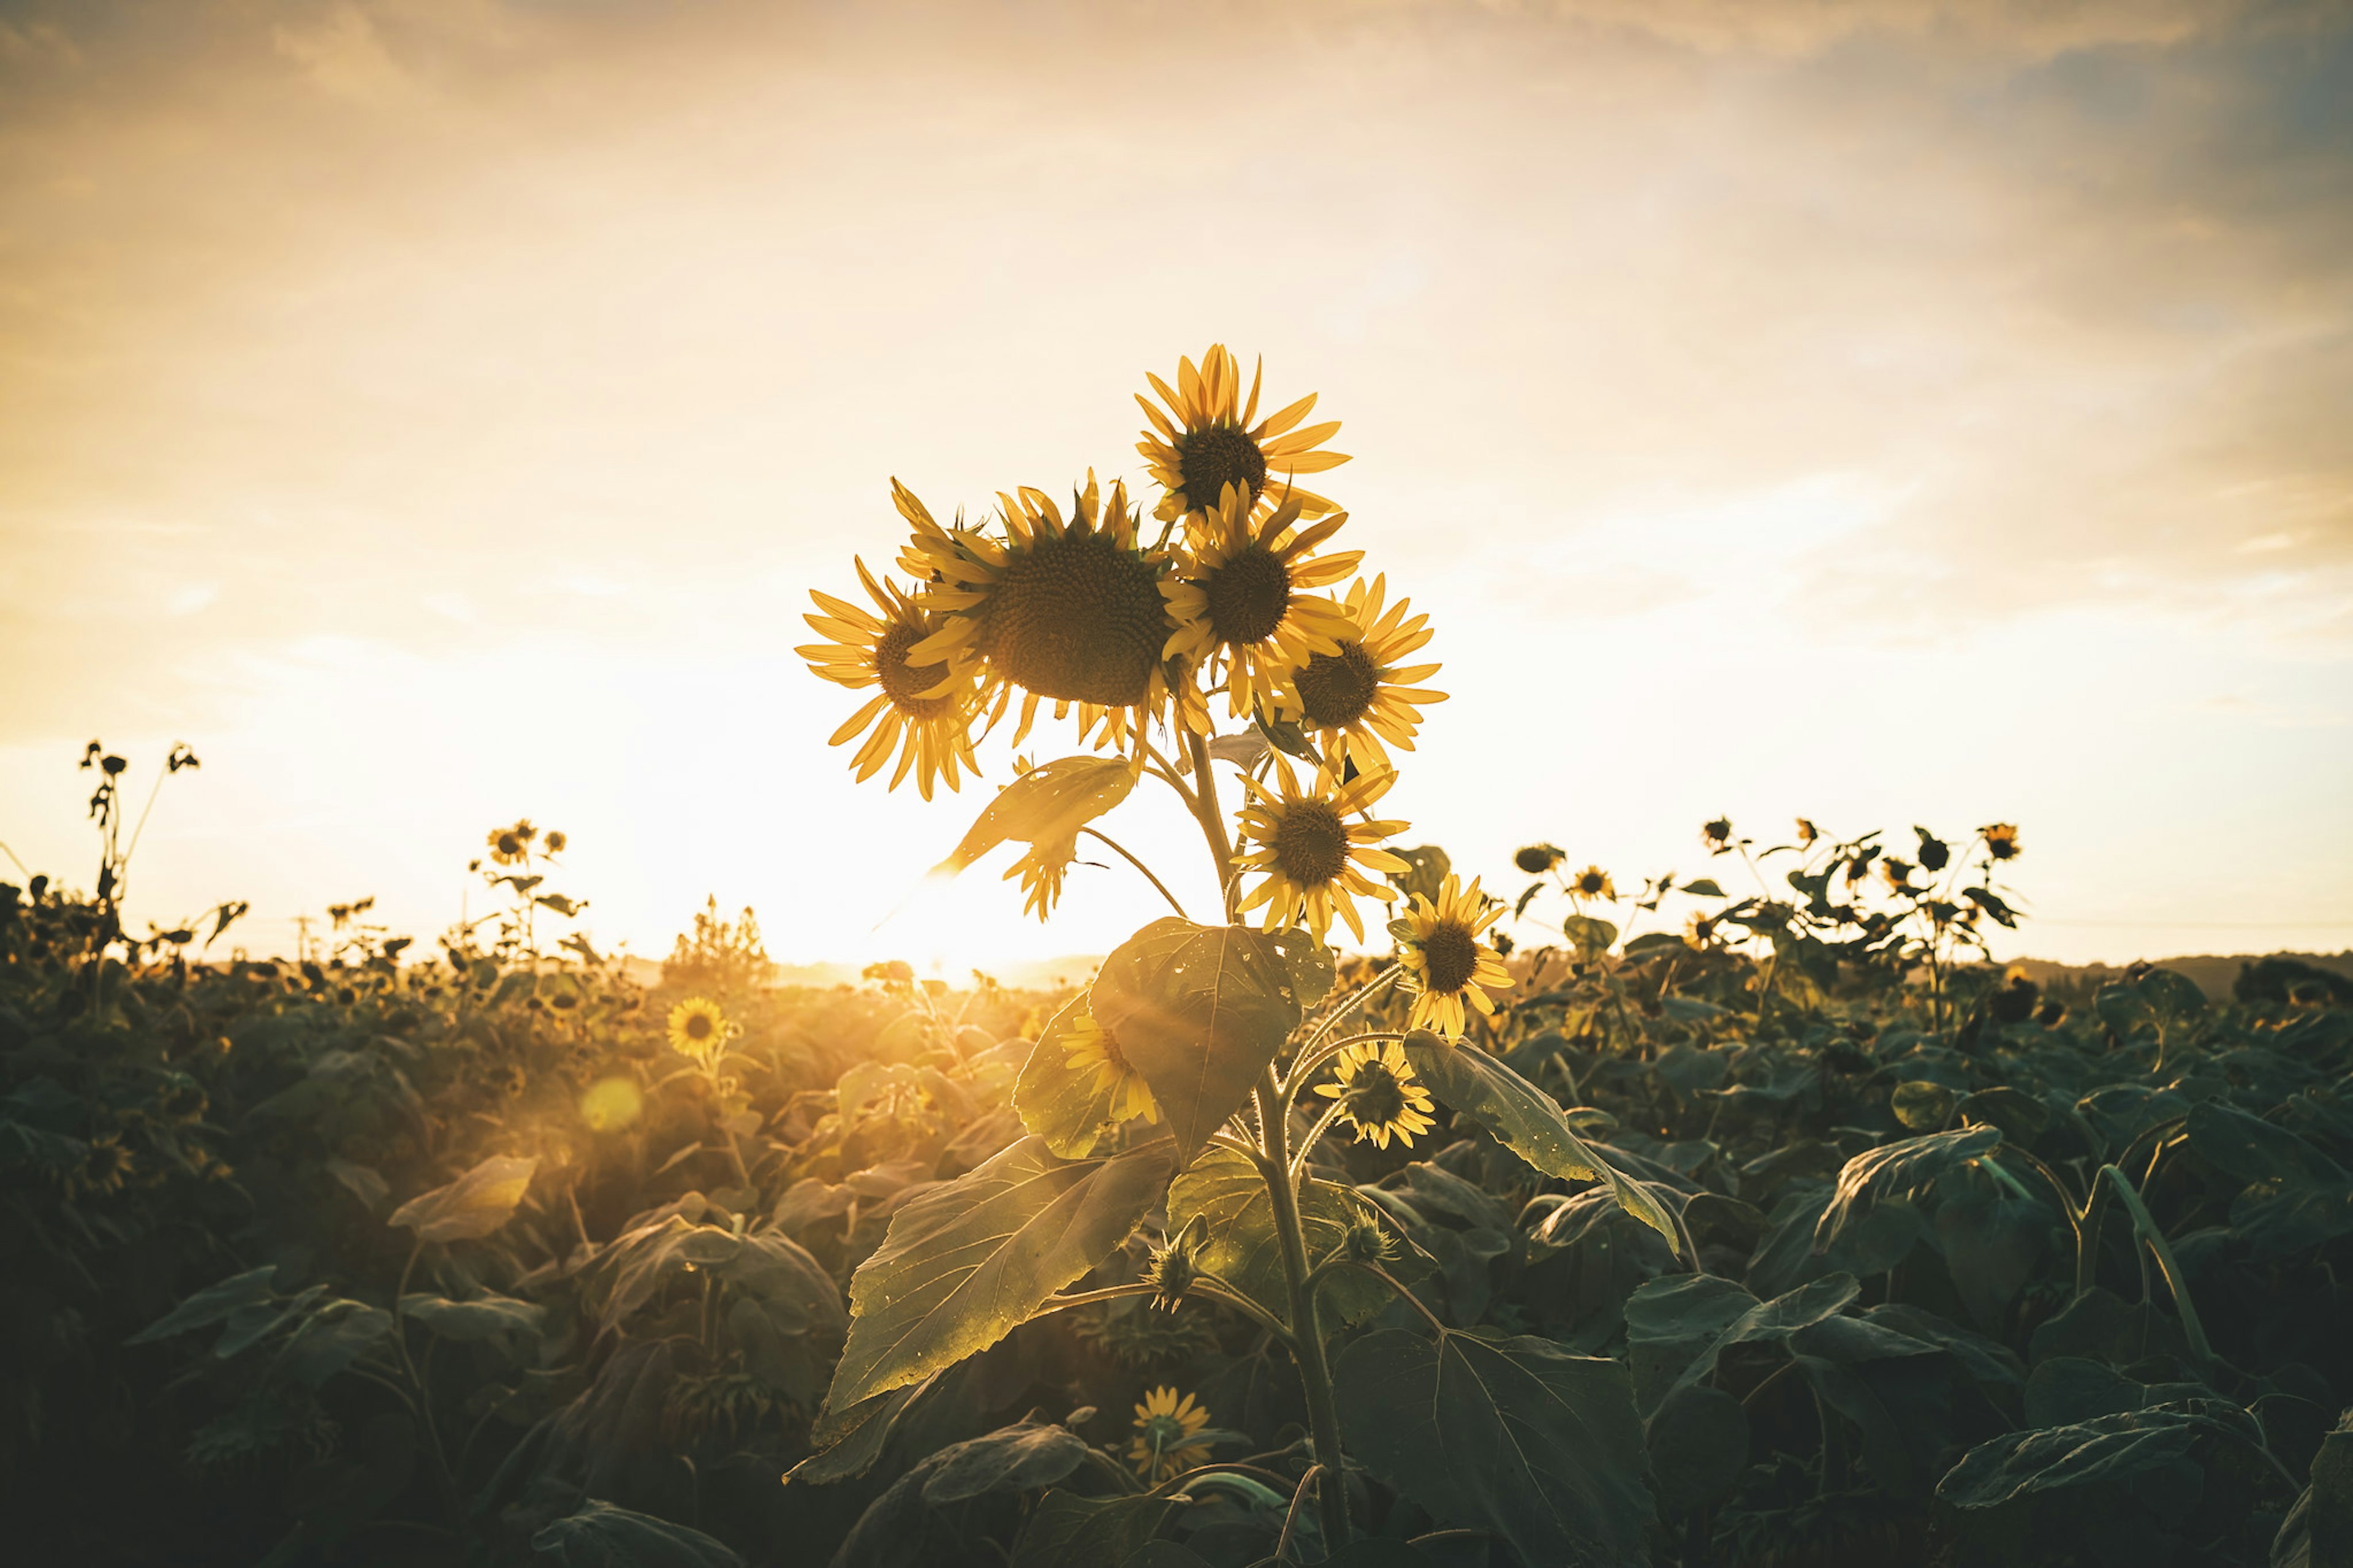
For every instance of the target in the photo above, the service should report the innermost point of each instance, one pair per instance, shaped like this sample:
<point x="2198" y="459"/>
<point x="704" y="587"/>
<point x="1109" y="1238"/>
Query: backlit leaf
<point x="1046" y="805"/>
<point x="1199" y="1011"/>
<point x="473" y="1206"/>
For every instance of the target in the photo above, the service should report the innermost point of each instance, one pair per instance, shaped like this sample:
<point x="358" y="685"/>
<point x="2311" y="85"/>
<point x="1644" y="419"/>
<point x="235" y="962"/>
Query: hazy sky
<point x="436" y="411"/>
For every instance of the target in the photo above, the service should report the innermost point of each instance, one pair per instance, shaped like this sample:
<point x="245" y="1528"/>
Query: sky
<point x="438" y="411"/>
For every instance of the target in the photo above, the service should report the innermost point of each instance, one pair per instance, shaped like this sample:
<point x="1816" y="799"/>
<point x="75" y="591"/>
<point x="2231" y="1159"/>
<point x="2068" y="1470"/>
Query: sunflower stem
<point x="1363" y="995"/>
<point x="1307" y="1334"/>
<point x="1121" y="851"/>
<point x="1314" y="1136"/>
<point x="1213" y="825"/>
<point x="1313" y="1059"/>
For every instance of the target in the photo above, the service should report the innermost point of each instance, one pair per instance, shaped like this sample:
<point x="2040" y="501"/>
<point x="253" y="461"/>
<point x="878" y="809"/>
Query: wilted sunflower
<point x="925" y="708"/>
<point x="1716" y="832"/>
<point x="1071" y="612"/>
<point x="1363" y="695"/>
<point x="1241" y="603"/>
<point x="697" y="1028"/>
<point x="1807" y="831"/>
<point x="1164" y="1426"/>
<point x="1593" y="882"/>
<point x="1086" y="1044"/>
<point x="1312" y="857"/>
<point x="2002" y="841"/>
<point x="1379" y="1094"/>
<point x="512" y="846"/>
<point x="1444" y="953"/>
<point x="1207" y="440"/>
<point x="1535" y="859"/>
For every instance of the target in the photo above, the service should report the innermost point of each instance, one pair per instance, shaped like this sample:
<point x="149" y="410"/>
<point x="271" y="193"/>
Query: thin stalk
<point x="1314" y="1136"/>
<point x="1364" y="993"/>
<point x="1121" y="851"/>
<point x="1218" y="1290"/>
<point x="1315" y="1057"/>
<point x="1291" y="1517"/>
<point x="446" y="1483"/>
<point x="1395" y="1283"/>
<point x="2144" y="1228"/>
<point x="1213" y="827"/>
<point x="1307" y="1334"/>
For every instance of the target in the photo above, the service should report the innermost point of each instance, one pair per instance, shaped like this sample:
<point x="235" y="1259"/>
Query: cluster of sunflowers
<point x="1234" y="611"/>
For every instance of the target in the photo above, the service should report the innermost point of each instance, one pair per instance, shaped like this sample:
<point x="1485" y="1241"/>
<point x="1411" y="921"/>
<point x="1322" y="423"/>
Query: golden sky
<point x="438" y="410"/>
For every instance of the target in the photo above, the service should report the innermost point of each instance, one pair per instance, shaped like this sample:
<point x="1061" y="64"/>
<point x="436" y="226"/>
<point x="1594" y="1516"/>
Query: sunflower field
<point x="1376" y="1219"/>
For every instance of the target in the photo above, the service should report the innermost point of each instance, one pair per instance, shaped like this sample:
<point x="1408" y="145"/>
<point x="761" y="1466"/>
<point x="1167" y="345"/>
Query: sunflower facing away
<point x="1088" y="1044"/>
<point x="697" y="1028"/>
<point x="1070" y="612"/>
<point x="1379" y="1094"/>
<point x="1313" y="858"/>
<point x="925" y="708"/>
<point x="1164" y="1426"/>
<point x="1354" y="698"/>
<point x="1209" y="438"/>
<point x="1243" y="603"/>
<point x="1444" y="953"/>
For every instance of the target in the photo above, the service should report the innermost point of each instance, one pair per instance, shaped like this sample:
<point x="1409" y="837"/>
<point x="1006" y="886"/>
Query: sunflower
<point x="1379" y="1094"/>
<point x="1443" y="951"/>
<point x="1165" y="1424"/>
<point x="1362" y="695"/>
<point x="1207" y="440"/>
<point x="1088" y="1044"/>
<point x="1242" y="601"/>
<point x="1898" y="874"/>
<point x="2002" y="841"/>
<point x="1535" y="859"/>
<point x="1070" y="612"/>
<point x="512" y="846"/>
<point x="1314" y="859"/>
<point x="1807" y="831"/>
<point x="1593" y="882"/>
<point x="925" y="708"/>
<point x="1715" y="833"/>
<point x="697" y="1028"/>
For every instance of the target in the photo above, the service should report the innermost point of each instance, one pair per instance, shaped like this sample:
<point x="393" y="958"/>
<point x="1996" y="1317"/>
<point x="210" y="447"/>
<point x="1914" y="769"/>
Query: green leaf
<point x="1067" y="1107"/>
<point x="1705" y="887"/>
<point x="897" y="1529"/>
<point x="1516" y="1435"/>
<point x="2106" y="1450"/>
<point x="1698" y="1442"/>
<point x="1898" y="1170"/>
<point x="1591" y="935"/>
<point x="1313" y="972"/>
<point x="473" y="1206"/>
<point x="602" y="1536"/>
<point x="1427" y="866"/>
<point x="512" y="1325"/>
<point x="1231" y="1199"/>
<point x="1922" y="1105"/>
<point x="2253" y="1150"/>
<point x="963" y="1264"/>
<point x="1669" y="1321"/>
<point x="1199" y="1011"/>
<point x="213" y="1304"/>
<point x="1772" y="1322"/>
<point x="1072" y="1531"/>
<point x="1048" y="804"/>
<point x="1528" y="1122"/>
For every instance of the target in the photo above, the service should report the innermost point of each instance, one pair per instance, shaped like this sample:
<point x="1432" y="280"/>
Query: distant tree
<point x="719" y="955"/>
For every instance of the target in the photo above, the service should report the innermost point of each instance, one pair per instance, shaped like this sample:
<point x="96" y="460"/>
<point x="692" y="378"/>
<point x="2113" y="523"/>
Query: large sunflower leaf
<point x="1243" y="1250"/>
<point x="1068" y="1531"/>
<point x="964" y="1263"/>
<point x="1528" y="1122"/>
<point x="1516" y="1435"/>
<point x="603" y="1536"/>
<point x="1049" y="803"/>
<point x="473" y="1206"/>
<point x="1898" y="1170"/>
<point x="1066" y="1106"/>
<point x="1199" y="1011"/>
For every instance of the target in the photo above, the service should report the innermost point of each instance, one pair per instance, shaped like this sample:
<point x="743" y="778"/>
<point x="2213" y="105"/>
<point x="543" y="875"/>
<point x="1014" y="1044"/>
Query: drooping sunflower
<point x="1088" y="1044"/>
<point x="1593" y="882"/>
<point x="1380" y="1094"/>
<point x="1364" y="694"/>
<point x="1443" y="952"/>
<point x="1209" y="437"/>
<point x="1242" y="603"/>
<point x="697" y="1028"/>
<point x="1068" y="612"/>
<point x="925" y="708"/>
<point x="1313" y="857"/>
<point x="1162" y="1448"/>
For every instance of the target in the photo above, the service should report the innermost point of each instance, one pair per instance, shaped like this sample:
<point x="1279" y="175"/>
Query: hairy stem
<point x="1307" y="1334"/>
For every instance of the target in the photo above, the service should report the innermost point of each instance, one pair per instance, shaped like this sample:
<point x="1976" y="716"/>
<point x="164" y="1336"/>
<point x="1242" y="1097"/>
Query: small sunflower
<point x="1898" y="874"/>
<point x="1444" y="953"/>
<point x="2002" y="841"/>
<point x="1314" y="859"/>
<point x="1070" y="612"/>
<point x="697" y="1028"/>
<point x="1593" y="882"/>
<point x="1164" y="1447"/>
<point x="1207" y="440"/>
<point x="1699" y="930"/>
<point x="1535" y="859"/>
<point x="1716" y="832"/>
<point x="1379" y="1094"/>
<point x="1364" y="694"/>
<point x="925" y="708"/>
<point x="1088" y="1045"/>
<point x="512" y="846"/>
<point x="1807" y="831"/>
<point x="555" y="842"/>
<point x="1243" y="603"/>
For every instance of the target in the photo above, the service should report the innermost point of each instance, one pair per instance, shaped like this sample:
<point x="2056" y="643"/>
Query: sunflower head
<point x="2002" y="841"/>
<point x="1535" y="859"/>
<point x="1699" y="931"/>
<point x="1361" y="696"/>
<point x="1716" y="832"/>
<point x="1205" y="437"/>
<point x="1367" y="1242"/>
<point x="1241" y="603"/>
<point x="1593" y="882"/>
<point x="512" y="846"/>
<point x="1174" y="1268"/>
<point x="1380" y="1094"/>
<point x="555" y="843"/>
<point x="1934" y="853"/>
<point x="926" y="701"/>
<point x="1898" y="873"/>
<point x="1807" y="831"/>
<point x="1312" y="857"/>
<point x="1163" y="1447"/>
<point x="1438" y="944"/>
<point x="697" y="1028"/>
<point x="1089" y="1046"/>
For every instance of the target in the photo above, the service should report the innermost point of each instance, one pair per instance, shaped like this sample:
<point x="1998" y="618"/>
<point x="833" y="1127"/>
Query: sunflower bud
<point x="1367" y="1242"/>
